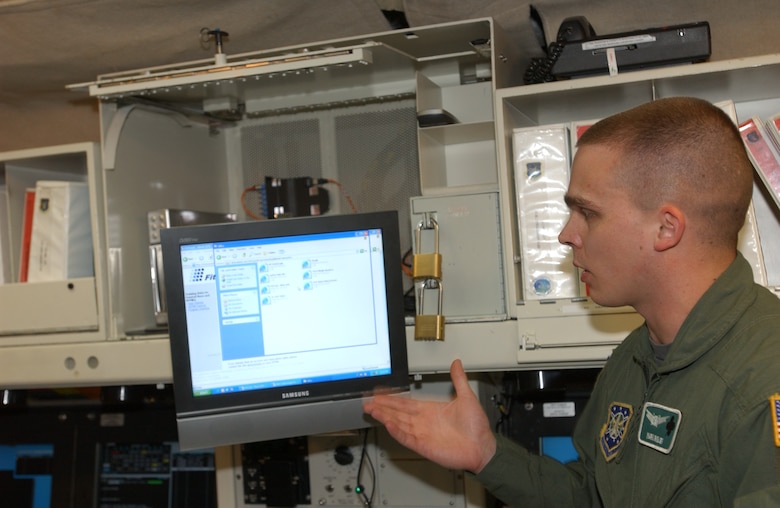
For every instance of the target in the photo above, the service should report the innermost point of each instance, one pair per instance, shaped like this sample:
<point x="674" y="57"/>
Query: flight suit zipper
<point x="652" y="378"/>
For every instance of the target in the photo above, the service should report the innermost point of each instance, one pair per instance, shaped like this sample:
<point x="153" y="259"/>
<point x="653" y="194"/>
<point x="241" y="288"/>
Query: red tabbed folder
<point x="27" y="220"/>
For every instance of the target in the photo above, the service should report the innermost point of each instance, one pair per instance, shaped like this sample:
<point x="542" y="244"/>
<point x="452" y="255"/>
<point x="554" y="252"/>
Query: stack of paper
<point x="61" y="240"/>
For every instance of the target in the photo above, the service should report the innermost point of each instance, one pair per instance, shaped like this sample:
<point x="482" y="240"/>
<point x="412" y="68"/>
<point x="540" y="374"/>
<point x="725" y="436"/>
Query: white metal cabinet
<point x="549" y="332"/>
<point x="57" y="311"/>
<point x="181" y="145"/>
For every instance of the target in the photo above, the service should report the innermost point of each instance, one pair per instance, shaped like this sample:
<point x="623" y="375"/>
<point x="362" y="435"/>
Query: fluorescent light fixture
<point x="144" y="81"/>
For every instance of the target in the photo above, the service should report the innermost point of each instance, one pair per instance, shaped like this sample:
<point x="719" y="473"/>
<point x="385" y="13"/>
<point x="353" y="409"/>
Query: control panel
<point x="359" y="468"/>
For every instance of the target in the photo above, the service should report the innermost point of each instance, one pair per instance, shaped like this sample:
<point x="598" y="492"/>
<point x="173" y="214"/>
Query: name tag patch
<point x="614" y="430"/>
<point x="659" y="426"/>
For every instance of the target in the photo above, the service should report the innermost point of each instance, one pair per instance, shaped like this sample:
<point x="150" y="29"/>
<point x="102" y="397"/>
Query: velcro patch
<point x="614" y="430"/>
<point x="659" y="426"/>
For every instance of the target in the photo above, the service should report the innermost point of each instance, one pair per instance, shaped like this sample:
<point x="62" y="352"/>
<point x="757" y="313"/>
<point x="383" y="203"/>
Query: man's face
<point x="611" y="239"/>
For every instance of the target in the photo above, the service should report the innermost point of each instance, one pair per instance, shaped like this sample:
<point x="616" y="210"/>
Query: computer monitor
<point x="280" y="328"/>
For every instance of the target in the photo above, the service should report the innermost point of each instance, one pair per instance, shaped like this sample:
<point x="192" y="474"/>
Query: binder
<point x="61" y="240"/>
<point x="5" y="239"/>
<point x="577" y="129"/>
<point x="763" y="154"/>
<point x="541" y="159"/>
<point x="773" y="129"/>
<point x="748" y="243"/>
<point x="27" y="220"/>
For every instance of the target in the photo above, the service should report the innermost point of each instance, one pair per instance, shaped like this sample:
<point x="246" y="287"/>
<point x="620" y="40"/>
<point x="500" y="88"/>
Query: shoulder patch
<point x="774" y="401"/>
<point x="614" y="430"/>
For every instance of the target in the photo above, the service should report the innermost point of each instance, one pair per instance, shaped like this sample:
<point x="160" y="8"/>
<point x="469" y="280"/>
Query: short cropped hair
<point x="683" y="151"/>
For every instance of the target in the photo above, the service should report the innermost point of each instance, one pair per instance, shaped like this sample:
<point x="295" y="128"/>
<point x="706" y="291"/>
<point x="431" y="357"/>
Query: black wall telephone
<point x="639" y="49"/>
<point x="572" y="29"/>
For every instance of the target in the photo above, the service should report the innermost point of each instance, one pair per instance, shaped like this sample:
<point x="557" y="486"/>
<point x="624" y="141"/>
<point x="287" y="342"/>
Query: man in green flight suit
<point x="683" y="412"/>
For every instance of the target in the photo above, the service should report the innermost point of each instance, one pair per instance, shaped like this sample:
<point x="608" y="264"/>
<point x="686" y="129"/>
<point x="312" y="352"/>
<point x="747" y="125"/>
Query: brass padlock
<point x="427" y="265"/>
<point x="429" y="326"/>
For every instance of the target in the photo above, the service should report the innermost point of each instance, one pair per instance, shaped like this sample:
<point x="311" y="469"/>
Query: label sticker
<point x="559" y="409"/>
<point x="612" y="62"/>
<point x="659" y="426"/>
<point x="614" y="430"/>
<point x="617" y="41"/>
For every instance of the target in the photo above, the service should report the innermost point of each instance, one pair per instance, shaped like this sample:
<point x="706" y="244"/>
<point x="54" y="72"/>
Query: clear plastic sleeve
<point x="541" y="159"/>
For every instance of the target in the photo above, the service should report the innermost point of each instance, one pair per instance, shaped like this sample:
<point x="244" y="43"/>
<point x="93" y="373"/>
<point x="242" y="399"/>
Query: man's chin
<point x="604" y="301"/>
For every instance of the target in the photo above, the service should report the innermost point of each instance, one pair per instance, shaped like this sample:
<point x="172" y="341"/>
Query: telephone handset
<point x="576" y="28"/>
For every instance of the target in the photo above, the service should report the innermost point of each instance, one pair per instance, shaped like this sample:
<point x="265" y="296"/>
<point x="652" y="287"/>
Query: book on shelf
<point x="27" y="222"/>
<point x="5" y="238"/>
<point x="773" y="129"/>
<point x="763" y="154"/>
<point x="577" y="129"/>
<point x="748" y="243"/>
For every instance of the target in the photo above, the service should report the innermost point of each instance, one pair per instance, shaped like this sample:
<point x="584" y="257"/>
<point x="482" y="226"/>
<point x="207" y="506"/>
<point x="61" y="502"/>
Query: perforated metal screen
<point x="371" y="150"/>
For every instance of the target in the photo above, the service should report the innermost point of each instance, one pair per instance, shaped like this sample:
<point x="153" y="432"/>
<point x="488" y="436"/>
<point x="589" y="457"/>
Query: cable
<point x="576" y="28"/>
<point x="503" y="412"/>
<point x="359" y="489"/>
<point x="406" y="266"/>
<point x="243" y="202"/>
<point x="540" y="70"/>
<point x="343" y="191"/>
<point x="504" y="402"/>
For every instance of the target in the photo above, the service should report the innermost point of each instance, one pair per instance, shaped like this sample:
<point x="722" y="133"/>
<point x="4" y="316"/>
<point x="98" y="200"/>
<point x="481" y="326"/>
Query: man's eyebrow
<point x="577" y="201"/>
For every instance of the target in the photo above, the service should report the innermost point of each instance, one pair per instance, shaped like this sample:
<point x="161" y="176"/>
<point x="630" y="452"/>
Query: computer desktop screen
<point x="279" y="328"/>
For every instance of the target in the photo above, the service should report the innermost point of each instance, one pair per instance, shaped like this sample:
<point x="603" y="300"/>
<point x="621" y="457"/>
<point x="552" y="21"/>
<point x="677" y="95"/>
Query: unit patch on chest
<point x="614" y="430"/>
<point x="659" y="426"/>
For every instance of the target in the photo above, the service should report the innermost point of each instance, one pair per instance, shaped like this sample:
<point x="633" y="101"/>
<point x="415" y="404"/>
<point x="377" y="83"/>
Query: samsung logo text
<point x="295" y="395"/>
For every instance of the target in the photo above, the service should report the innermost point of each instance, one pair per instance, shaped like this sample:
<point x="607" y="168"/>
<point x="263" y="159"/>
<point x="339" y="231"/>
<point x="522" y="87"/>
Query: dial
<point x="343" y="455"/>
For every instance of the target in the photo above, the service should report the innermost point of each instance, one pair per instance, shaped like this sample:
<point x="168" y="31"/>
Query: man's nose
<point x="563" y="236"/>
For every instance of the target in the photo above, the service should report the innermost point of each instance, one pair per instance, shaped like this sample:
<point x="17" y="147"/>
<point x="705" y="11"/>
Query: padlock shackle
<point x="431" y="224"/>
<point x="421" y="295"/>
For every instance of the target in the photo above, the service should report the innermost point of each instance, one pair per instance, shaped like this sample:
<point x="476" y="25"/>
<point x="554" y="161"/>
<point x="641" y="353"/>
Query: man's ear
<point x="671" y="226"/>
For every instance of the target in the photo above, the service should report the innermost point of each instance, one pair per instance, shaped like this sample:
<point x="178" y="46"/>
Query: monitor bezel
<point x="188" y="405"/>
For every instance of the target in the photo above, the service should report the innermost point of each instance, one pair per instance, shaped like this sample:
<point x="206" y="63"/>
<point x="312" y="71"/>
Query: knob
<point x="343" y="455"/>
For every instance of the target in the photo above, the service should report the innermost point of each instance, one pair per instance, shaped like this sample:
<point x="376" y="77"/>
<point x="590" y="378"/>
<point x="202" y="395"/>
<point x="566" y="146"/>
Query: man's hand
<point x="455" y="434"/>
